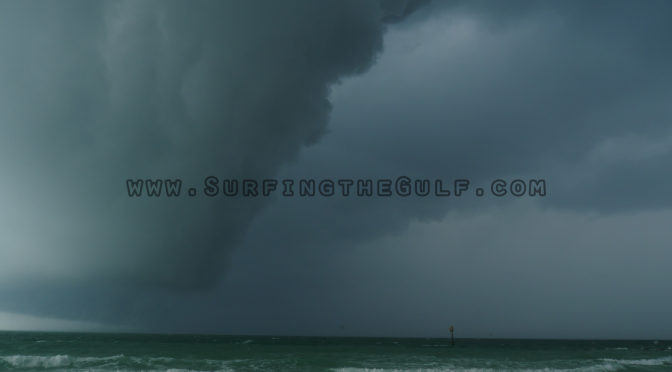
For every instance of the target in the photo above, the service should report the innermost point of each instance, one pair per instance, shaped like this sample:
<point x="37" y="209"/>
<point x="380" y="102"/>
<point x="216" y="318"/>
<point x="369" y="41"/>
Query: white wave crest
<point x="642" y="362"/>
<point x="160" y="364"/>
<point x="31" y="361"/>
<point x="595" y="368"/>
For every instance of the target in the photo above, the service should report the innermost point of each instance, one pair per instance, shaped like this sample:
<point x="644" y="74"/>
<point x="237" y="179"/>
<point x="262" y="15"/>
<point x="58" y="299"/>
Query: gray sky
<point x="575" y="93"/>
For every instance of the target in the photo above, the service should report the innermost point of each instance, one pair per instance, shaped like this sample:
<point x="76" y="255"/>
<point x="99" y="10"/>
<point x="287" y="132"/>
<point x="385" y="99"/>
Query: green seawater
<point x="33" y="351"/>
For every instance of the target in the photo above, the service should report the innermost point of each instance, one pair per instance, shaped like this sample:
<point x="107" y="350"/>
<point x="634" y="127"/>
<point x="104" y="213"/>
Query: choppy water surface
<point x="29" y="351"/>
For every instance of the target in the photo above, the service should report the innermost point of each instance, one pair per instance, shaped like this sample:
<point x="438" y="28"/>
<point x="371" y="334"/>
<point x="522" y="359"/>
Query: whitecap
<point x="642" y="362"/>
<point x="594" y="368"/>
<point x="31" y="361"/>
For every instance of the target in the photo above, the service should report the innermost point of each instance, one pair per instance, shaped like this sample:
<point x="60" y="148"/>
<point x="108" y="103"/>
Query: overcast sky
<point x="576" y="93"/>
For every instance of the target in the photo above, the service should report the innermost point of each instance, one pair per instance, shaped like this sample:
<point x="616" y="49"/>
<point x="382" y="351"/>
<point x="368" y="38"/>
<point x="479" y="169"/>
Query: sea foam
<point x="31" y="361"/>
<point x="112" y="363"/>
<point x="608" y="367"/>
<point x="642" y="362"/>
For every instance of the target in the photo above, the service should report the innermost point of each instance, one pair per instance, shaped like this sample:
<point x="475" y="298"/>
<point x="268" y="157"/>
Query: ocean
<point x="35" y="351"/>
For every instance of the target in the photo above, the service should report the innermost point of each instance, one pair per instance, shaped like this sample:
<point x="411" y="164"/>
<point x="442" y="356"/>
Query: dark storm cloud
<point x="540" y="92"/>
<point x="576" y="93"/>
<point x="399" y="11"/>
<point x="95" y="93"/>
<point x="531" y="100"/>
<point x="548" y="84"/>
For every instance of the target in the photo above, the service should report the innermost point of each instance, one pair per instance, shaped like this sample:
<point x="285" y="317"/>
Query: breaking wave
<point x="595" y="368"/>
<point x="116" y="363"/>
